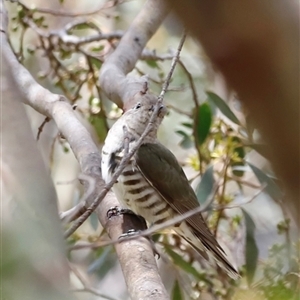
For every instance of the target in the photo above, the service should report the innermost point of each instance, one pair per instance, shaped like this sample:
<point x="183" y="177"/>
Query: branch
<point x="74" y="40"/>
<point x="136" y="257"/>
<point x="129" y="50"/>
<point x="86" y="286"/>
<point x="59" y="13"/>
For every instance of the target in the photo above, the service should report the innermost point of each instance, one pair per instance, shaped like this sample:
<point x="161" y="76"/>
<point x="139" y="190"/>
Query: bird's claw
<point x="117" y="211"/>
<point x="133" y="232"/>
<point x="130" y="232"/>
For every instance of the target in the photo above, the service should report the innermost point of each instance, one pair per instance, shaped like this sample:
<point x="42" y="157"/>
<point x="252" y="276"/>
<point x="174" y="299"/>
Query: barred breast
<point x="133" y="191"/>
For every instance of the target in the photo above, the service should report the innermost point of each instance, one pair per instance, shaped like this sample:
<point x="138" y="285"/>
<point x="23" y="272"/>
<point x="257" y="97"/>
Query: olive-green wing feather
<point x="161" y="168"/>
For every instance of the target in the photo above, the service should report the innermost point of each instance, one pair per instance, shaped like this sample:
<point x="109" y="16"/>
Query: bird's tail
<point x="208" y="250"/>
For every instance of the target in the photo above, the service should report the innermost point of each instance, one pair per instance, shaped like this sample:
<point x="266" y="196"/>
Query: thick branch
<point x="139" y="267"/>
<point x="124" y="58"/>
<point x="255" y="43"/>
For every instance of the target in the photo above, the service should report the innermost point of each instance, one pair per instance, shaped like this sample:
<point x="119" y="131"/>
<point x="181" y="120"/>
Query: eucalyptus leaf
<point x="152" y="63"/>
<point x="186" y="142"/>
<point x="96" y="62"/>
<point x="184" y="265"/>
<point x="271" y="187"/>
<point x="182" y="133"/>
<point x="206" y="185"/>
<point x="103" y="263"/>
<point x="99" y="124"/>
<point x="188" y="125"/>
<point x="240" y="151"/>
<point x="204" y="120"/>
<point x="176" y="292"/>
<point x="98" y="48"/>
<point x="223" y="107"/>
<point x="251" y="250"/>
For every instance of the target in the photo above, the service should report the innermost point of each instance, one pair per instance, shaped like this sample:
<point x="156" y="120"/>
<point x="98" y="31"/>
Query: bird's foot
<point x="129" y="233"/>
<point x="137" y="233"/>
<point x="117" y="211"/>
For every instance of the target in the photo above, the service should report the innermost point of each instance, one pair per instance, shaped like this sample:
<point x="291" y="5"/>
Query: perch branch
<point x="129" y="50"/>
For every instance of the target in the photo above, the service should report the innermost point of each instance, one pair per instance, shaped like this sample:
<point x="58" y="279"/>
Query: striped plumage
<point x="153" y="184"/>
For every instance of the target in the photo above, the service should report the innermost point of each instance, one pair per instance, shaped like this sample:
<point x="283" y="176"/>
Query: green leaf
<point x="97" y="48"/>
<point x="223" y="107"/>
<point x="96" y="62"/>
<point x="271" y="187"/>
<point x="187" y="267"/>
<point x="188" y="125"/>
<point x="152" y="63"/>
<point x="86" y="25"/>
<point x="204" y="120"/>
<point x="65" y="54"/>
<point x="240" y="151"/>
<point x="176" y="292"/>
<point x="81" y="26"/>
<point x="99" y="124"/>
<point x="104" y="261"/>
<point x="251" y="250"/>
<point x="206" y="185"/>
<point x="186" y="142"/>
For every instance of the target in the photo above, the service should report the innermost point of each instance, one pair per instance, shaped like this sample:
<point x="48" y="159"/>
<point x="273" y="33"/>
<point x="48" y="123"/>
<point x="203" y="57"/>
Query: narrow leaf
<point x="271" y="187"/>
<point x="223" y="107"/>
<point x="176" y="292"/>
<point x="251" y="250"/>
<point x="152" y="63"/>
<point x="205" y="187"/>
<point x="103" y="262"/>
<point x="182" y="133"/>
<point x="180" y="262"/>
<point x="96" y="62"/>
<point x="240" y="151"/>
<point x="99" y="124"/>
<point x="204" y="120"/>
<point x="188" y="125"/>
<point x="186" y="142"/>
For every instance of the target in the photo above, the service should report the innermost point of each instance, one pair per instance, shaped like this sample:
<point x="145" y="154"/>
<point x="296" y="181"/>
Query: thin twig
<point x="58" y="13"/>
<point x="178" y="110"/>
<point x="69" y="39"/>
<point x="40" y="129"/>
<point x="126" y="158"/>
<point x="78" y="210"/>
<point x="226" y="166"/>
<point x="196" y="115"/>
<point x="173" y="65"/>
<point x="222" y="207"/>
<point x="86" y="287"/>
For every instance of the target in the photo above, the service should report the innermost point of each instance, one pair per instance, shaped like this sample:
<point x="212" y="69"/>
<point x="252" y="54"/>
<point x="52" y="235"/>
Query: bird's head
<point x="137" y="117"/>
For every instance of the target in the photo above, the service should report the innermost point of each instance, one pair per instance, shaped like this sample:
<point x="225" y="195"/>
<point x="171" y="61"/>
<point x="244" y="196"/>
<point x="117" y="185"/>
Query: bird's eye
<point x="138" y="105"/>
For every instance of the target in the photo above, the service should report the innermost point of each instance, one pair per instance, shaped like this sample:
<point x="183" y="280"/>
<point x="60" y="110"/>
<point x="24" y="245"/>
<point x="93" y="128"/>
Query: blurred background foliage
<point x="63" y="44"/>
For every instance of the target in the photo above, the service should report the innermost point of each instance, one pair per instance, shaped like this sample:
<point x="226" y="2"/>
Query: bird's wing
<point x="160" y="167"/>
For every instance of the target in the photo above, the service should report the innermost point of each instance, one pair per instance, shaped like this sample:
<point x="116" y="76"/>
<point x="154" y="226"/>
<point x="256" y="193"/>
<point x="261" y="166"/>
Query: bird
<point x="153" y="184"/>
